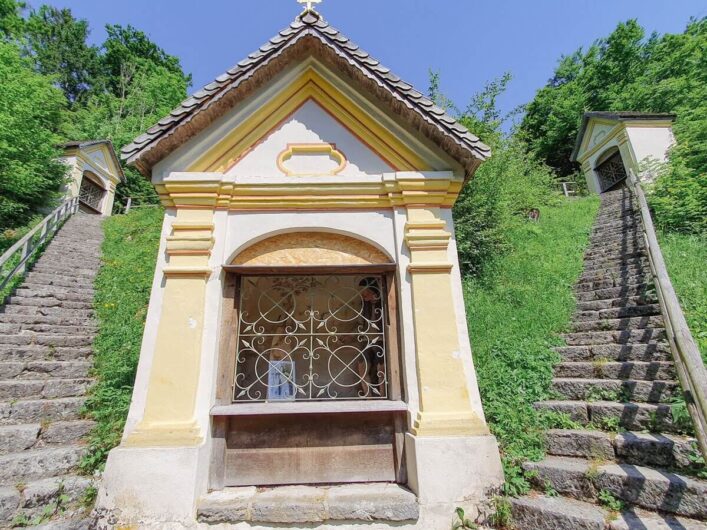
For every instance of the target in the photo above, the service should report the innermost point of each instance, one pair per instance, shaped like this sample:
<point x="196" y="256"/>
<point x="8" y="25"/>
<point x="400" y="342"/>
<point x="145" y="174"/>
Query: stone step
<point x="35" y="352"/>
<point x="543" y="512"/>
<point x="658" y="351"/>
<point x="49" y="311"/>
<point x="610" y="414"/>
<point x="607" y="283"/>
<point x="43" y="388"/>
<point x="48" y="302"/>
<point x="615" y="273"/>
<point x="593" y="262"/>
<point x="628" y="323"/>
<point x="618" y="313"/>
<point x="15" y="438"/>
<point x="38" y="278"/>
<point x="51" y="294"/>
<point x="45" y="369"/>
<point x="581" y="389"/>
<point x="637" y="485"/>
<point x="606" y="265"/>
<point x="39" y="463"/>
<point x="616" y="292"/>
<point x="84" y="322"/>
<point x="614" y="303"/>
<point x="65" y="270"/>
<point x="614" y="247"/>
<point x="618" y="227"/>
<point x="354" y="503"/>
<point x="27" y="338"/>
<point x="6" y="327"/>
<point x="36" y="495"/>
<point x="646" y="371"/>
<point x="40" y="410"/>
<point x="631" y="336"/>
<point x="77" y="262"/>
<point x="637" y="448"/>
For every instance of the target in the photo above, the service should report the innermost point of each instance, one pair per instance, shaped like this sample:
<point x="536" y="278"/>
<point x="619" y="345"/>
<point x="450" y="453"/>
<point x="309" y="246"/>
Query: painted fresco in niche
<point x="310" y="248"/>
<point x="310" y="125"/>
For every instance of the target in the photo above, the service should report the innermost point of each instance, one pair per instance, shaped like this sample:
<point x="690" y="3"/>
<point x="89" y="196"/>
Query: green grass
<point x="515" y="312"/>
<point x="122" y="294"/>
<point x="686" y="259"/>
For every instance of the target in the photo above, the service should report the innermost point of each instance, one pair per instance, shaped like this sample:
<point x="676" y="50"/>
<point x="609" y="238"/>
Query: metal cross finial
<point x="308" y="4"/>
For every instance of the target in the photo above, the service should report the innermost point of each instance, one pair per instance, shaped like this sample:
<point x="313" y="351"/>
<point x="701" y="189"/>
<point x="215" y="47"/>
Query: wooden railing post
<point x="686" y="355"/>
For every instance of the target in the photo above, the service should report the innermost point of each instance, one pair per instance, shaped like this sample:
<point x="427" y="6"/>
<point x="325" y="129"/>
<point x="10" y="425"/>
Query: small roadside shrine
<point x="306" y="359"/>
<point x="610" y="144"/>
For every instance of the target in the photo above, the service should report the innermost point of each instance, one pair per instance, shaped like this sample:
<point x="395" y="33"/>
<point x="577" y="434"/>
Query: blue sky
<point x="469" y="42"/>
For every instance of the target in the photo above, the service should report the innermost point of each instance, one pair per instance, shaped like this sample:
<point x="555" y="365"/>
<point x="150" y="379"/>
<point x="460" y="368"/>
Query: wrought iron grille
<point x="611" y="172"/>
<point x="90" y="193"/>
<point x="311" y="338"/>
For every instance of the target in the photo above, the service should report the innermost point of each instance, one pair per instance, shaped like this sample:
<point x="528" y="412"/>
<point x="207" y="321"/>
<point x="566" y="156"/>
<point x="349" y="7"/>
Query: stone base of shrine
<point x="166" y="488"/>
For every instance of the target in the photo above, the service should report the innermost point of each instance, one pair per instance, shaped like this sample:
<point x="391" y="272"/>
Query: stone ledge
<point x="309" y="504"/>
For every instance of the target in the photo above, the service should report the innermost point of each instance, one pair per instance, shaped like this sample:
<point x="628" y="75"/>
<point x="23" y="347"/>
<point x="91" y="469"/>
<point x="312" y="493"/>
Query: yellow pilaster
<point x="445" y="408"/>
<point x="169" y="418"/>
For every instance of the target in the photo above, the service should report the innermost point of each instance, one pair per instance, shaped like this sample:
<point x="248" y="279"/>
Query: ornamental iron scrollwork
<point x="611" y="172"/>
<point x="311" y="338"/>
<point x="90" y="194"/>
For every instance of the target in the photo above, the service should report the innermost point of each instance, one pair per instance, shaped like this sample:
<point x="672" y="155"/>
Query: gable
<point x="596" y="133"/>
<point x="310" y="142"/>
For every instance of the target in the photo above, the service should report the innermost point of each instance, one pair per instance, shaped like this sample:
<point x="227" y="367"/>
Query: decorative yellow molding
<point x="185" y="434"/>
<point x="309" y="149"/>
<point x="309" y="86"/>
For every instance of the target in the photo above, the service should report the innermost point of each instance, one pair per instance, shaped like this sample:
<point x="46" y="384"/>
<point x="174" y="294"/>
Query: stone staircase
<point x="46" y="331"/>
<point x="629" y="465"/>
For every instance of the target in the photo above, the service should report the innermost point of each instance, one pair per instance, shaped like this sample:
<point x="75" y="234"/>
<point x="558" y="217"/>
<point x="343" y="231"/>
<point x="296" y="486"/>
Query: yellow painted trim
<point x="309" y="86"/>
<point x="321" y="149"/>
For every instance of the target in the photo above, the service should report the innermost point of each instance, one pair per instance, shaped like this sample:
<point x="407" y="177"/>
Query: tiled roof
<point x="409" y="104"/>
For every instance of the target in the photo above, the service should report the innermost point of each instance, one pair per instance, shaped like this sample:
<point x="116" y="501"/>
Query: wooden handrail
<point x="29" y="244"/>
<point x="688" y="361"/>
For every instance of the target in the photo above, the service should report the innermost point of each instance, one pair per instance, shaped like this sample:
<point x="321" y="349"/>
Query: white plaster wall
<point x="650" y="142"/>
<point x="310" y="125"/>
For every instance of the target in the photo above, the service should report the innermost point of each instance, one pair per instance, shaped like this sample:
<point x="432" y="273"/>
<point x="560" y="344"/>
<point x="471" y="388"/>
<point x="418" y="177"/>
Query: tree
<point x="30" y="116"/>
<point x="57" y="41"/>
<point x="11" y="21"/>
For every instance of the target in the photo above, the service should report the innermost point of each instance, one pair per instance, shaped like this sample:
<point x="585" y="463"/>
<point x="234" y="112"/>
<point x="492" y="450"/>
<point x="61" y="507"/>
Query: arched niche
<point x="92" y="190"/>
<point x="610" y="169"/>
<point x="294" y="249"/>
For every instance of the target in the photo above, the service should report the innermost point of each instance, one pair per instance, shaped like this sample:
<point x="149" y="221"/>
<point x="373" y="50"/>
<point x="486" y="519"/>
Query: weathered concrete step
<point x="48" y="302"/>
<point x="37" y="278"/>
<point x="607" y="283"/>
<point x="628" y="323"/>
<point x="35" y="352"/>
<point x="360" y="503"/>
<point x="602" y="369"/>
<point x="36" y="495"/>
<point x="49" y="311"/>
<point x="43" y="388"/>
<point x="27" y="338"/>
<point x="60" y="294"/>
<point x="611" y="415"/>
<point x="631" y="336"/>
<point x="615" y="292"/>
<point x="659" y="351"/>
<point x="39" y="410"/>
<point x="581" y="389"/>
<point x="7" y="327"/>
<point x="540" y="512"/>
<point x="637" y="485"/>
<point x="8" y="318"/>
<point x="39" y="463"/>
<point x="616" y="303"/>
<point x="44" y="369"/>
<point x="644" y="449"/>
<point x="618" y="313"/>
<point x="15" y="438"/>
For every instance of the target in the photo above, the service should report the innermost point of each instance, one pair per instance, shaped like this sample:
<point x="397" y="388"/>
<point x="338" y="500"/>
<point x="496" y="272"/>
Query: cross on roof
<point x="308" y="4"/>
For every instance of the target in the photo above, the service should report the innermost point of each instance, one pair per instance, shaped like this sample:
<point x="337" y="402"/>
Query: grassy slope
<point x="515" y="312"/>
<point x="686" y="259"/>
<point x="122" y="295"/>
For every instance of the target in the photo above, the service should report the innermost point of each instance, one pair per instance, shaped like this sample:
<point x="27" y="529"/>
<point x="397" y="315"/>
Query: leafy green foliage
<point x="462" y="522"/>
<point x="122" y="294"/>
<point x="511" y="340"/>
<point x="609" y="501"/>
<point x="30" y="116"/>
<point x="626" y="71"/>
<point x="11" y="21"/>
